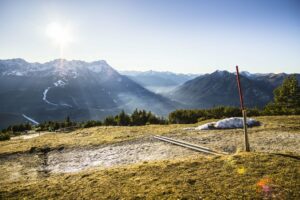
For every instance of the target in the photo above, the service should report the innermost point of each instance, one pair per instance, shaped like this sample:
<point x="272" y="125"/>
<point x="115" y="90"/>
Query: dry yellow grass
<point x="276" y="131"/>
<point x="87" y="137"/>
<point x="270" y="175"/>
<point x="242" y="176"/>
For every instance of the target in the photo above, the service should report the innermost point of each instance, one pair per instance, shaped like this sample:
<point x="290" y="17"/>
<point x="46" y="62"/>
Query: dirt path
<point x="119" y="154"/>
<point x="45" y="162"/>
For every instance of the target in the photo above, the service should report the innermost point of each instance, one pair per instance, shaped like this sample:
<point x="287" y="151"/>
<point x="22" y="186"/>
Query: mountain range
<point x="220" y="88"/>
<point x="37" y="92"/>
<point x="81" y="90"/>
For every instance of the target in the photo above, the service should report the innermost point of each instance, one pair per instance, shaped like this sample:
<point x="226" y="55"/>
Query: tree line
<point x="14" y="130"/>
<point x="137" y="118"/>
<point x="196" y="115"/>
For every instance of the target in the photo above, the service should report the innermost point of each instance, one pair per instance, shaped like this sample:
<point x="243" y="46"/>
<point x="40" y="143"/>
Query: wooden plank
<point x="180" y="141"/>
<point x="188" y="145"/>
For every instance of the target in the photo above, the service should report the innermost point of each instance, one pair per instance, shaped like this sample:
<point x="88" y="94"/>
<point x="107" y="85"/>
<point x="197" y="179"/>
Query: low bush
<point x="4" y="136"/>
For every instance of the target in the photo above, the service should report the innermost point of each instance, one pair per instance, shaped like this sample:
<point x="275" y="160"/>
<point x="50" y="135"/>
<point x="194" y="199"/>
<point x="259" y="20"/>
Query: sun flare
<point x="59" y="34"/>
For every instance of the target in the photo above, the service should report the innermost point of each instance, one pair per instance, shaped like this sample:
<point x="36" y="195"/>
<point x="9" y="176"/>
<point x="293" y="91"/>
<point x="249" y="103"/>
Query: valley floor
<point x="127" y="162"/>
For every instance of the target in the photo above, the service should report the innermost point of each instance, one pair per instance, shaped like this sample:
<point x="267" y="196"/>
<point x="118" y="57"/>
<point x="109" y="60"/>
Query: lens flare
<point x="263" y="182"/>
<point x="241" y="170"/>
<point x="264" y="186"/>
<point x="59" y="34"/>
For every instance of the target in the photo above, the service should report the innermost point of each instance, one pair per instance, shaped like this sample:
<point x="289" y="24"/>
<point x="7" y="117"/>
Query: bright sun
<point x="60" y="35"/>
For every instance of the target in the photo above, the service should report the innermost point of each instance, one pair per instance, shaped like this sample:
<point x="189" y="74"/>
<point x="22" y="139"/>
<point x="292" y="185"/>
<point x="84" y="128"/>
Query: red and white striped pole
<point x="247" y="145"/>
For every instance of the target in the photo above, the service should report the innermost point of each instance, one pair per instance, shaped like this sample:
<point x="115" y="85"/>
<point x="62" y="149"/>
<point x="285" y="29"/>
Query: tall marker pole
<point x="247" y="146"/>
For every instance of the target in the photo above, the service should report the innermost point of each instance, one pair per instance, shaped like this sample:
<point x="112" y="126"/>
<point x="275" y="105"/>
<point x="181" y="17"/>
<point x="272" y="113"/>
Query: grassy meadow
<point x="270" y="171"/>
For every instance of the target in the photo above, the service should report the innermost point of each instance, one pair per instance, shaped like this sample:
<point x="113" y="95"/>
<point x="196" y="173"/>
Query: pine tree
<point x="68" y="122"/>
<point x="110" y="121"/>
<point x="286" y="98"/>
<point x="123" y="119"/>
<point x="135" y="118"/>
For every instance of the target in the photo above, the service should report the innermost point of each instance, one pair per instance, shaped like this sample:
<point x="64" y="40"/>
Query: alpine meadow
<point x="140" y="99"/>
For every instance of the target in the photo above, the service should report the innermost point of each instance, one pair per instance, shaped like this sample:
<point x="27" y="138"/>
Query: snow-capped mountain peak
<point x="221" y="72"/>
<point x="247" y="74"/>
<point x="98" y="66"/>
<point x="59" y="67"/>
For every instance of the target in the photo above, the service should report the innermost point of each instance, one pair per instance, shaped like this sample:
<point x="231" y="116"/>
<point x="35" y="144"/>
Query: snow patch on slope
<point x="13" y="73"/>
<point x="59" y="83"/>
<point x="65" y="104"/>
<point x="45" y="97"/>
<point x="30" y="119"/>
<point x="50" y="103"/>
<point x="233" y="122"/>
<point x="98" y="66"/>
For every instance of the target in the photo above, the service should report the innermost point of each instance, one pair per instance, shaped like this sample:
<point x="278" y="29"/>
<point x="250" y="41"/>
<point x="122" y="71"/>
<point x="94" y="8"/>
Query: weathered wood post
<point x="247" y="145"/>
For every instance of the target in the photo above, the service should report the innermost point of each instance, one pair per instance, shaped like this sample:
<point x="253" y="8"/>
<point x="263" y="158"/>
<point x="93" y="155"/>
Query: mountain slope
<point x="81" y="90"/>
<point x="220" y="88"/>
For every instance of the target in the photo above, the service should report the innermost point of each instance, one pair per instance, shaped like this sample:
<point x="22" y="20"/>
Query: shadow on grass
<point x="288" y="156"/>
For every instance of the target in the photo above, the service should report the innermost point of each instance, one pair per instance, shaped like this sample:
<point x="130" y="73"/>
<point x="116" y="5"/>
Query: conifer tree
<point x="286" y="98"/>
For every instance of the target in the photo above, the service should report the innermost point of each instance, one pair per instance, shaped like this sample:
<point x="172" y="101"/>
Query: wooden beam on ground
<point x="189" y="145"/>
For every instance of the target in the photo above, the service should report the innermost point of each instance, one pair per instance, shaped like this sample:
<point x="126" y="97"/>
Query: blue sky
<point x="166" y="35"/>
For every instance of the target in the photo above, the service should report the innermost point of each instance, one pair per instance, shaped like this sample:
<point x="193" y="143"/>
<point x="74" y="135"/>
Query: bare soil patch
<point x="42" y="162"/>
<point x="74" y="160"/>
